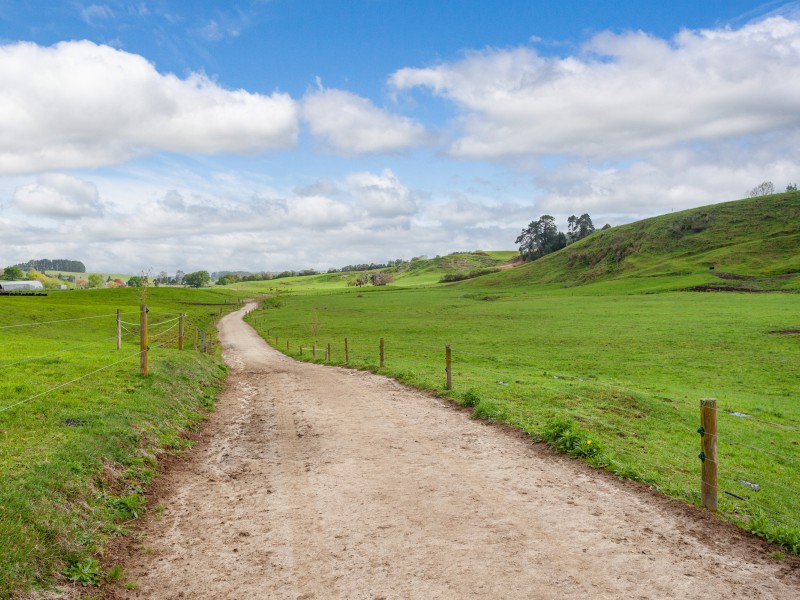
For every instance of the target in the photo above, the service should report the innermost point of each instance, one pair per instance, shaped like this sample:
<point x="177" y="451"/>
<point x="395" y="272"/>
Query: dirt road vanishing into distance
<point x="322" y="482"/>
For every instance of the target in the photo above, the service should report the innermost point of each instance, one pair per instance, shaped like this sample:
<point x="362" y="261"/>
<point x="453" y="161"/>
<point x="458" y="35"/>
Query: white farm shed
<point x="21" y="286"/>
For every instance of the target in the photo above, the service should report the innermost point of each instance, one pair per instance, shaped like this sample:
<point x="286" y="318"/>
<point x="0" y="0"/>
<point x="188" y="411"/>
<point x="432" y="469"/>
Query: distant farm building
<point x="21" y="286"/>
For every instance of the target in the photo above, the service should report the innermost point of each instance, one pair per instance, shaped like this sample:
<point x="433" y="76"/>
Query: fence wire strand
<point x="34" y="358"/>
<point x="61" y="321"/>
<point x="40" y="394"/>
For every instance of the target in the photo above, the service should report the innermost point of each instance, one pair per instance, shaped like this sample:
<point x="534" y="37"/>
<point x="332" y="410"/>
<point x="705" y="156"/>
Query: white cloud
<point x="58" y="196"/>
<point x="661" y="182"/>
<point x="350" y="124"/>
<point x="96" y="12"/>
<point x="215" y="32"/>
<point x="624" y="95"/>
<point x="381" y="195"/>
<point x="318" y="212"/>
<point x="78" y="104"/>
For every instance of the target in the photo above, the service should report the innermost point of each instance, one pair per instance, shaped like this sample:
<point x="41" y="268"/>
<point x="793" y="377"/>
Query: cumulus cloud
<point x="318" y="212"/>
<point x="350" y="124"/>
<point x="624" y="94"/>
<point x="381" y="195"/>
<point x="79" y="104"/>
<point x="58" y="196"/>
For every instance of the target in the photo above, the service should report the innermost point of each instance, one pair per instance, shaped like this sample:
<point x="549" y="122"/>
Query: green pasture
<point x="598" y="371"/>
<point x="80" y="429"/>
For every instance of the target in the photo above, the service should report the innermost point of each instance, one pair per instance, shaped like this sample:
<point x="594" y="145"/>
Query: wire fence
<point x="168" y="331"/>
<point x="757" y="458"/>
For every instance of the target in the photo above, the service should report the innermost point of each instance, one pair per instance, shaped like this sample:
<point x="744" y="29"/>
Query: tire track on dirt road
<point x="321" y="482"/>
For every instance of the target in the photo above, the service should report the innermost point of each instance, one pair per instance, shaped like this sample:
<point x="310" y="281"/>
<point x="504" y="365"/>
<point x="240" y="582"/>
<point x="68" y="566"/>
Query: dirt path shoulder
<point x="321" y="482"/>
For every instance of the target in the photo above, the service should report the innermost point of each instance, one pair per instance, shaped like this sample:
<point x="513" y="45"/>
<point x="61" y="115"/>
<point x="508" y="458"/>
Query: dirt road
<point x="320" y="482"/>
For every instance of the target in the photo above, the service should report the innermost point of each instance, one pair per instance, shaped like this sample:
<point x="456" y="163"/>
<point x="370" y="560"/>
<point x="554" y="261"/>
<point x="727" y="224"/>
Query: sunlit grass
<point x="628" y="370"/>
<point x="76" y="458"/>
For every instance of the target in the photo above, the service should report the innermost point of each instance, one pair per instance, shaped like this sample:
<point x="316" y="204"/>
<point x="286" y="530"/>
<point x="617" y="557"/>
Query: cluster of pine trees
<point x="542" y="236"/>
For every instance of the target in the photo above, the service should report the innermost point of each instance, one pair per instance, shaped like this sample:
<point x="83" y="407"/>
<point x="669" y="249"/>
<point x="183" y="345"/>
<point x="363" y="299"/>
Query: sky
<point x="266" y="135"/>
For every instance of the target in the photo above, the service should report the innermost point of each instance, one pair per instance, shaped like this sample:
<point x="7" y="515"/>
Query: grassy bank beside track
<point x="614" y="377"/>
<point x="81" y="430"/>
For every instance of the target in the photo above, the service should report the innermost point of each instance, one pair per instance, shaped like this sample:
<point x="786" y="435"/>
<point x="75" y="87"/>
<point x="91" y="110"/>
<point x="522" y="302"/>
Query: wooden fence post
<point x="203" y="340"/>
<point x="382" y="353"/>
<point x="346" y="352"/>
<point x="314" y="350"/>
<point x="301" y="349"/>
<point x="143" y="362"/>
<point x="708" y="453"/>
<point x="287" y="345"/>
<point x="448" y="367"/>
<point x="196" y="333"/>
<point x="328" y="353"/>
<point x="119" y="329"/>
<point x="180" y="331"/>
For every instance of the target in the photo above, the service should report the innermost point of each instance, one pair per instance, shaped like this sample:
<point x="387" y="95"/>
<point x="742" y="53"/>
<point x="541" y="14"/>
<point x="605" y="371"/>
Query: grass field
<point x="80" y="429"/>
<point x="605" y="373"/>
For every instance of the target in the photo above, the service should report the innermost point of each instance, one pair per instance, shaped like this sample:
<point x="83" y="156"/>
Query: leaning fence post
<point x="708" y="453"/>
<point x="448" y="367"/>
<point x="143" y="362"/>
<point x="382" y="353"/>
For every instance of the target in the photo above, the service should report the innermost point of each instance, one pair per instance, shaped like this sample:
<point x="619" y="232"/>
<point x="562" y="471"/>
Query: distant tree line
<point x="542" y="236"/>
<point x="368" y="266"/>
<point x="58" y="264"/>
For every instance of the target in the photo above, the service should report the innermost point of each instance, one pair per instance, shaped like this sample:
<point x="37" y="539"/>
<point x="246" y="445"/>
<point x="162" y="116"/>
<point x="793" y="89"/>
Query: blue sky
<point x="278" y="134"/>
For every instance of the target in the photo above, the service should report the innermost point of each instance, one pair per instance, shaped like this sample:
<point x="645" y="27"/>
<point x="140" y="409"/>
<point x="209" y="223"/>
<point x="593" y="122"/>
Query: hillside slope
<point x="416" y="272"/>
<point x="748" y="245"/>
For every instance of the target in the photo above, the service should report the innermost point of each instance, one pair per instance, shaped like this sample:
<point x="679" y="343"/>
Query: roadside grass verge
<point x="81" y="430"/>
<point x="613" y="378"/>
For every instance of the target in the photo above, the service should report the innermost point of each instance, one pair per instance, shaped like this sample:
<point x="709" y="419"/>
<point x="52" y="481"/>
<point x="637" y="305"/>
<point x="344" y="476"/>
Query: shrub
<point x="86" y="572"/>
<point x="565" y="436"/>
<point x="451" y="277"/>
<point x="470" y="398"/>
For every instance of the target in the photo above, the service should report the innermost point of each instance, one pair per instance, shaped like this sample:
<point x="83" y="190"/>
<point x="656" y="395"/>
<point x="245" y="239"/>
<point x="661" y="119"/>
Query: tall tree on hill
<point x="765" y="188"/>
<point x="540" y="237"/>
<point x="584" y="226"/>
<point x="579" y="227"/>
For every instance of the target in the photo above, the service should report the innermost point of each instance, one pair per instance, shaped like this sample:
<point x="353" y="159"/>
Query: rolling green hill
<point x="747" y="245"/>
<point x="416" y="272"/>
